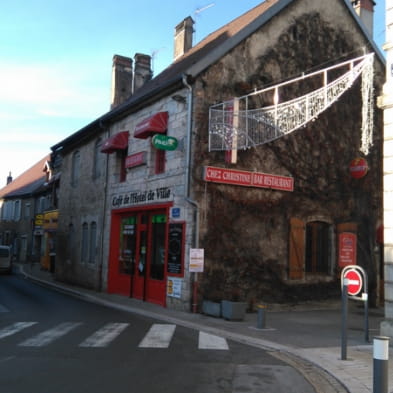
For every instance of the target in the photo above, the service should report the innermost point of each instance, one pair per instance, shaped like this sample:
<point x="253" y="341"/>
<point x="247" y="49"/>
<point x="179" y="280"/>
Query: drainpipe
<point x="187" y="189"/>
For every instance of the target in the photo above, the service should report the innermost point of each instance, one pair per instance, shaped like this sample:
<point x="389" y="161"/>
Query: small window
<point x="318" y="247"/>
<point x="310" y="248"/>
<point x="122" y="155"/>
<point x="84" y="242"/>
<point x="93" y="242"/>
<point x="75" y="168"/>
<point x="99" y="157"/>
<point x="71" y="243"/>
<point x="17" y="210"/>
<point x="27" y="210"/>
<point x="159" y="161"/>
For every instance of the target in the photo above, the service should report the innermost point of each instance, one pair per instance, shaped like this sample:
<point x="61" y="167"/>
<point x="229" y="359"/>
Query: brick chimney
<point x="122" y="78"/>
<point x="365" y="10"/>
<point x="142" y="70"/>
<point x="9" y="179"/>
<point x="183" y="37"/>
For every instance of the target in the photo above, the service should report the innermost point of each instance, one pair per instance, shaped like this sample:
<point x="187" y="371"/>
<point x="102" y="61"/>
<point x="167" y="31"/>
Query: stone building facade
<point x="154" y="202"/>
<point x="24" y="204"/>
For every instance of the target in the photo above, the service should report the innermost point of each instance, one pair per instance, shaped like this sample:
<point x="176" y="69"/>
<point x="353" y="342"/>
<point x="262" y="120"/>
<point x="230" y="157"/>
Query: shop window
<point x="157" y="264"/>
<point x="93" y="242"/>
<point x="127" y="245"/>
<point x="176" y="249"/>
<point x="84" y="242"/>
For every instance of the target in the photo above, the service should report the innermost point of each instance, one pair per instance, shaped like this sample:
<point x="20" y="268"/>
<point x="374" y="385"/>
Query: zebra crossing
<point x="158" y="336"/>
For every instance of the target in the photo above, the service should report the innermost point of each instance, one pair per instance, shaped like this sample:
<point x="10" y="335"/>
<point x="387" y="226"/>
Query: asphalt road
<point x="53" y="343"/>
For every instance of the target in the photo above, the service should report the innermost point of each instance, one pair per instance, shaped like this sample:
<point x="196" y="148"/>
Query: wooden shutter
<point x="296" y="249"/>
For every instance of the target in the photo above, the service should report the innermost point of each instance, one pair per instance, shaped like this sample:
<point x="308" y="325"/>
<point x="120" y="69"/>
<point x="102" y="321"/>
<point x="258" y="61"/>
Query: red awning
<point x="118" y="141"/>
<point x="156" y="124"/>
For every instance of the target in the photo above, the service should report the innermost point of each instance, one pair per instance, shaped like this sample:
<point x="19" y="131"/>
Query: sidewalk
<point x="308" y="336"/>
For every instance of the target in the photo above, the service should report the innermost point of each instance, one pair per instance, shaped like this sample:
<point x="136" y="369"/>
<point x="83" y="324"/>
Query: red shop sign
<point x="347" y="249"/>
<point x="248" y="179"/>
<point x="135" y="159"/>
<point x="358" y="168"/>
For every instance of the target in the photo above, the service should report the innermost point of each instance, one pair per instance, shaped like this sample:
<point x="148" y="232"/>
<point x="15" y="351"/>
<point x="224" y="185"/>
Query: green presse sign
<point x="164" y="142"/>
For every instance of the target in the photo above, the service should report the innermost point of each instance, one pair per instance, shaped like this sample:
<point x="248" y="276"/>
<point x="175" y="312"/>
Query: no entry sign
<point x="354" y="281"/>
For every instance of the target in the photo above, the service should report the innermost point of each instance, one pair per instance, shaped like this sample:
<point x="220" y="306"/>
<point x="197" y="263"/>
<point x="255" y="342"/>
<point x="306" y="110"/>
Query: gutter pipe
<point x="187" y="188"/>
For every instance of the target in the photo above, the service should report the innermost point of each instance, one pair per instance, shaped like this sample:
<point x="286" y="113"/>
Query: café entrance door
<point x="138" y="270"/>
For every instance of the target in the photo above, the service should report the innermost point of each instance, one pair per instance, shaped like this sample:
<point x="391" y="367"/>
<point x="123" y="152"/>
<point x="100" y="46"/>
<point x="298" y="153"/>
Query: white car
<point x="5" y="259"/>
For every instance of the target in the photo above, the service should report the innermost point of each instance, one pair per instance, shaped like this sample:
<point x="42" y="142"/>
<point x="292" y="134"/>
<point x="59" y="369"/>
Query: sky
<point x="56" y="61"/>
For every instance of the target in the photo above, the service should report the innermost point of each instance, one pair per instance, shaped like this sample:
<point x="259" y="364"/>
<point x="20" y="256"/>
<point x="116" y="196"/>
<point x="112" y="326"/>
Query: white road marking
<point x="159" y="336"/>
<point x="210" y="341"/>
<point x="50" y="335"/>
<point x="15" y="328"/>
<point x="102" y="337"/>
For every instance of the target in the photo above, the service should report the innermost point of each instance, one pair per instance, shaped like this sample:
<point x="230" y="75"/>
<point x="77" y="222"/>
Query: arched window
<point x="318" y="247"/>
<point x="311" y="247"/>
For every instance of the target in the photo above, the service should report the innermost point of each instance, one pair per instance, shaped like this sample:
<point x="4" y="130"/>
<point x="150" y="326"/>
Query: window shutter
<point x="296" y="249"/>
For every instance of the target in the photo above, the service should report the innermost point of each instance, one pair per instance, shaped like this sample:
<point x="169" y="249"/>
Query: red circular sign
<point x="354" y="281"/>
<point x="358" y="168"/>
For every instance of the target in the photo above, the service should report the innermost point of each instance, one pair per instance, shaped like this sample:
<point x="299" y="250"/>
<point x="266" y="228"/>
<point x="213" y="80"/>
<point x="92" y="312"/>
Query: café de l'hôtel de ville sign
<point x="247" y="179"/>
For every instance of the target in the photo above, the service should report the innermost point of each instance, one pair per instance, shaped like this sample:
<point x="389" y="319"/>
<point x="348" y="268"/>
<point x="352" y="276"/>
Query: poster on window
<point x="347" y="249"/>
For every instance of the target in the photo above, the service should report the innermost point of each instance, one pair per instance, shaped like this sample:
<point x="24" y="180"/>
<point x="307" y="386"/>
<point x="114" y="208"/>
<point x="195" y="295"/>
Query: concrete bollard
<point x="261" y="321"/>
<point x="381" y="363"/>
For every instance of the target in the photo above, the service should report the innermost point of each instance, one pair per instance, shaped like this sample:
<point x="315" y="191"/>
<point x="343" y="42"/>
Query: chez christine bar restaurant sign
<point x="247" y="179"/>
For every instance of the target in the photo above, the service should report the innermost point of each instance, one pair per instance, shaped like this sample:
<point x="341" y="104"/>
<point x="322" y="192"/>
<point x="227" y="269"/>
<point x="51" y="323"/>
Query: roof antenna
<point x="199" y="10"/>
<point x="154" y="53"/>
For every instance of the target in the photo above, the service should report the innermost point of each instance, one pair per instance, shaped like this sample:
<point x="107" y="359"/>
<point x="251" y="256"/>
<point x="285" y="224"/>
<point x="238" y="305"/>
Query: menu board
<point x="175" y="248"/>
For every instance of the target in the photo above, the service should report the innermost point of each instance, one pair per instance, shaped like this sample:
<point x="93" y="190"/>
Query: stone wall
<point x="245" y="232"/>
<point x="80" y="203"/>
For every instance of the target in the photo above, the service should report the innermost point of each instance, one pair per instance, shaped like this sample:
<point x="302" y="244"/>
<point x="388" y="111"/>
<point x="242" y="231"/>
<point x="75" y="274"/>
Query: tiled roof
<point x="203" y="49"/>
<point x="28" y="182"/>
<point x="174" y="72"/>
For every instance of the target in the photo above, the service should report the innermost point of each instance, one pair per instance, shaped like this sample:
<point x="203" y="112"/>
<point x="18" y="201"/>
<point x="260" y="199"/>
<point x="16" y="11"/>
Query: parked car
<point x="5" y="259"/>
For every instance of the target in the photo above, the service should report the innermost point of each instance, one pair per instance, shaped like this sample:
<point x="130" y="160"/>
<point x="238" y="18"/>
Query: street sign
<point x="354" y="281"/>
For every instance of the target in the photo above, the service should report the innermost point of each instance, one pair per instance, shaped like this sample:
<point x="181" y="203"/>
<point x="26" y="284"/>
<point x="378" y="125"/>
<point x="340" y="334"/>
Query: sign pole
<point x="344" y="312"/>
<point x="366" y="328"/>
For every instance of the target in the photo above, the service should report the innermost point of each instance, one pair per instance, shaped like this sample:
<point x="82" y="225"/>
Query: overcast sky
<point x="56" y="61"/>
